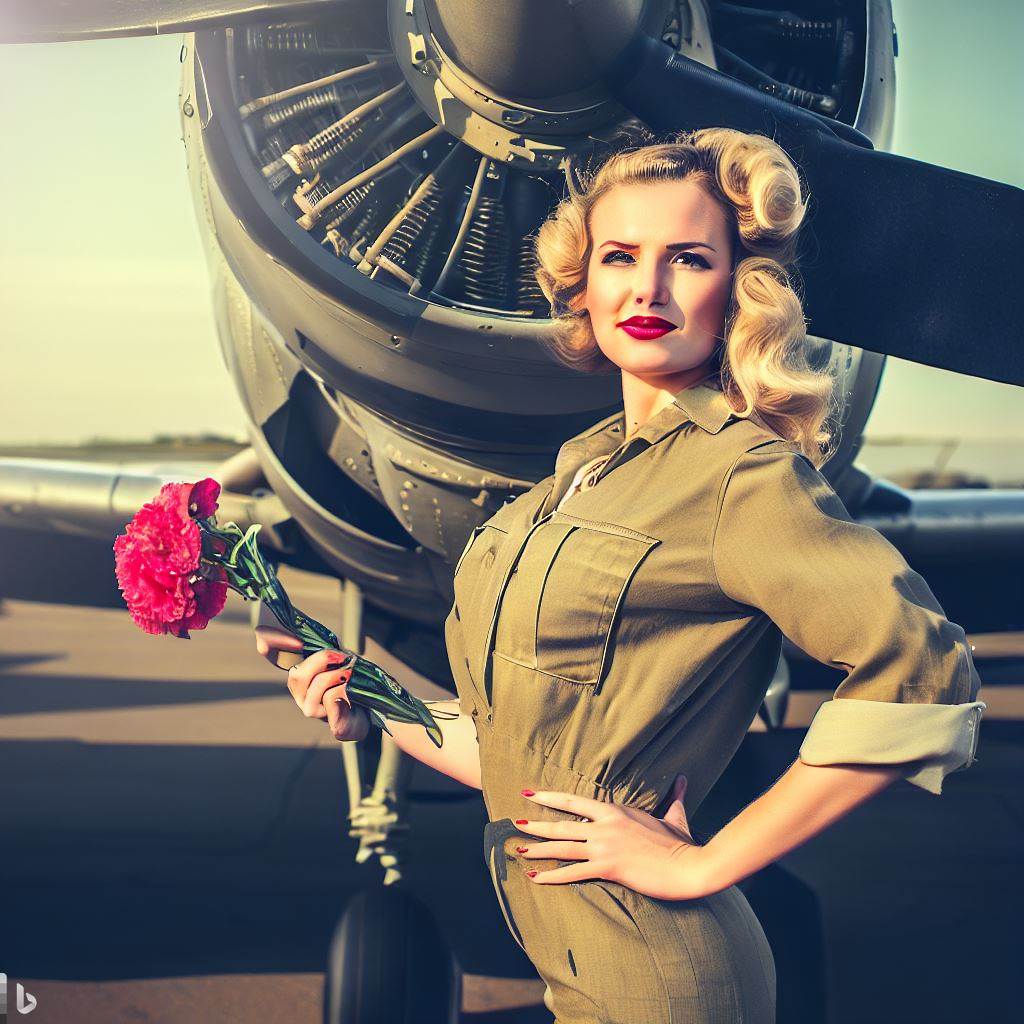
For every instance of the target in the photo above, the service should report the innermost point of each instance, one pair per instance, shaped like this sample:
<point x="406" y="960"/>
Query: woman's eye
<point x="692" y="258"/>
<point x="696" y="260"/>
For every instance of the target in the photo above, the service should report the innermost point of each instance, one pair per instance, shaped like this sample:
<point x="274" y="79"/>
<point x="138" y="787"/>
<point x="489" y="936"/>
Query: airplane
<point x="367" y="177"/>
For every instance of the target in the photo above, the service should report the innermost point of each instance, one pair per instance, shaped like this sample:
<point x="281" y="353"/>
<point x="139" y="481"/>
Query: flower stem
<point x="251" y="576"/>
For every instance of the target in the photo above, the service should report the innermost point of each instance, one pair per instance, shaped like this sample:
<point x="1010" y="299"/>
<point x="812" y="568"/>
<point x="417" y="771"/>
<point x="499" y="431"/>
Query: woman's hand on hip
<point x="654" y="856"/>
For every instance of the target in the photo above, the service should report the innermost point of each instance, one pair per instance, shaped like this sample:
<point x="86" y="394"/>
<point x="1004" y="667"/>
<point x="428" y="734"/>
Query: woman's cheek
<point x="708" y="308"/>
<point x="602" y="293"/>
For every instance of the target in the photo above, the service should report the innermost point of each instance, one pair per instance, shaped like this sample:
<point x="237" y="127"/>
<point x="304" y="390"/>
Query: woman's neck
<point x="644" y="397"/>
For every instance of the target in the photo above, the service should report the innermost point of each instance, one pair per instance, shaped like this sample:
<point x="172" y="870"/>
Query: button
<point x="475" y="712"/>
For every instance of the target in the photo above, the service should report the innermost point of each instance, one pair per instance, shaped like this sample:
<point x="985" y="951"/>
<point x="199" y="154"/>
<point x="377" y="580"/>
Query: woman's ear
<point x="568" y="301"/>
<point x="580" y="302"/>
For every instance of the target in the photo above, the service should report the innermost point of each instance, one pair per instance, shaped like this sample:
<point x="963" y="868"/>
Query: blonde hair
<point x="762" y="363"/>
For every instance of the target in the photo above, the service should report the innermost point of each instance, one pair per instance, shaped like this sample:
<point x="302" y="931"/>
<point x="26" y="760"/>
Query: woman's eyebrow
<point x="673" y="246"/>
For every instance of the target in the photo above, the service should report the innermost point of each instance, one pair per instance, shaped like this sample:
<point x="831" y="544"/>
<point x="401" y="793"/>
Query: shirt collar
<point x="706" y="405"/>
<point x="703" y="404"/>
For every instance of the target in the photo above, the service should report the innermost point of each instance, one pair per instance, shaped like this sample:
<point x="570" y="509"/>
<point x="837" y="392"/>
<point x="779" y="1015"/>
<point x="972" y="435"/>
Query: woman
<point x="615" y="627"/>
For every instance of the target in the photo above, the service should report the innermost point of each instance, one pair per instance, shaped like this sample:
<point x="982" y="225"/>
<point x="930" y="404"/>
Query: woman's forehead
<point x="651" y="211"/>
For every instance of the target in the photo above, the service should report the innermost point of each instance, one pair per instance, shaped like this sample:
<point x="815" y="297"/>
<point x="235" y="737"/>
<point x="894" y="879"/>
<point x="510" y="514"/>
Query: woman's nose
<point x="650" y="286"/>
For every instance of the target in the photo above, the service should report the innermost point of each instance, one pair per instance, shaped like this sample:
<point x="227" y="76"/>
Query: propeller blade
<point x="60" y="21"/>
<point x="899" y="256"/>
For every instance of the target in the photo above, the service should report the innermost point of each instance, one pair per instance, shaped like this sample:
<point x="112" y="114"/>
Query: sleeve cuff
<point x="850" y="731"/>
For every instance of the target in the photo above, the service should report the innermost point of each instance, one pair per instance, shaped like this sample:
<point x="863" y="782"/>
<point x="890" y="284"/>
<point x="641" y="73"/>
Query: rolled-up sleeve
<point x="784" y="542"/>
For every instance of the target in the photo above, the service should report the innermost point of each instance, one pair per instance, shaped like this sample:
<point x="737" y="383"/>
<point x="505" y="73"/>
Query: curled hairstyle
<point x="761" y="362"/>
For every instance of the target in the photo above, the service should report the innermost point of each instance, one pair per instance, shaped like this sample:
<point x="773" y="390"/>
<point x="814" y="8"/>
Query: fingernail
<point x="520" y="849"/>
<point x="532" y="874"/>
<point x="521" y="821"/>
<point x="526" y="792"/>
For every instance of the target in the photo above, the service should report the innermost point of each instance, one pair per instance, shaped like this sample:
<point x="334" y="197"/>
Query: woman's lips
<point x="644" y="333"/>
<point x="645" y="328"/>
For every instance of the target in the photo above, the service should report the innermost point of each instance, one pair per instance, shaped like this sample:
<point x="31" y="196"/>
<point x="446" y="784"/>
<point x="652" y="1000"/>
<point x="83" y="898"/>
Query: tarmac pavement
<point x="175" y="848"/>
<point x="175" y="845"/>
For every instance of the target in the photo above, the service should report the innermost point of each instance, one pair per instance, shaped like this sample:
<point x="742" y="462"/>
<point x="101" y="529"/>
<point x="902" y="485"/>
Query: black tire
<point x="389" y="964"/>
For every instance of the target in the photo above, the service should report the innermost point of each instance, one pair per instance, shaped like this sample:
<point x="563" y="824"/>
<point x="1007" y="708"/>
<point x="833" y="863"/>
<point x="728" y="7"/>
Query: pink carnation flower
<point x="157" y="562"/>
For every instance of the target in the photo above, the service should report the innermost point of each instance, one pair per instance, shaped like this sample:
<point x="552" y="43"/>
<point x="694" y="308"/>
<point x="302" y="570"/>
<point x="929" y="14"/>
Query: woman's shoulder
<point x="752" y="434"/>
<point x="758" y="464"/>
<point x="765" y="469"/>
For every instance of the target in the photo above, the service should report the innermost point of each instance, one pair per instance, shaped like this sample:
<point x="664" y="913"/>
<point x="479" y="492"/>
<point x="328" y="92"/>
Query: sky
<point x="107" y="322"/>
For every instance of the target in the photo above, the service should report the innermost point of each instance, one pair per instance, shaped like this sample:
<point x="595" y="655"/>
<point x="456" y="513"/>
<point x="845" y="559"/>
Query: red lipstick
<point x="646" y="328"/>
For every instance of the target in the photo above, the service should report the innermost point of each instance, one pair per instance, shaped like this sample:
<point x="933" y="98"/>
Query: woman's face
<point x="660" y="249"/>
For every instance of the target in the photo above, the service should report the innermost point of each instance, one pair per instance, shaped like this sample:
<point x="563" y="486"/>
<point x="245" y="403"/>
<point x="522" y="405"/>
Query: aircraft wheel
<point x="389" y="964"/>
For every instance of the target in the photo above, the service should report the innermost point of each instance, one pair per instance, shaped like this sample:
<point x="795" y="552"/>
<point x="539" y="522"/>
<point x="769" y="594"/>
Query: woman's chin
<point x="653" y="357"/>
<point x="651" y="363"/>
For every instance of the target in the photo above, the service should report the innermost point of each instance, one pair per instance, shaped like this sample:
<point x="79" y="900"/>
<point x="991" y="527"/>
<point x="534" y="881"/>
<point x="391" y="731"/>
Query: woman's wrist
<point x="701" y="872"/>
<point x="804" y="801"/>
<point x="715" y="868"/>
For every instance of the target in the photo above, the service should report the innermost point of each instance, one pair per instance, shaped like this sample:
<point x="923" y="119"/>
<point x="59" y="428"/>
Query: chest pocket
<point x="475" y="569"/>
<point x="562" y="597"/>
<point x="478" y="575"/>
<point x="473" y="537"/>
<point x="485" y="545"/>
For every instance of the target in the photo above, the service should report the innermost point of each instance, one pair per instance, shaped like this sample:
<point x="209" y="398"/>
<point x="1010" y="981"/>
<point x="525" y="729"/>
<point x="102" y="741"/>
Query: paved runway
<point x="174" y="841"/>
<point x="174" y="848"/>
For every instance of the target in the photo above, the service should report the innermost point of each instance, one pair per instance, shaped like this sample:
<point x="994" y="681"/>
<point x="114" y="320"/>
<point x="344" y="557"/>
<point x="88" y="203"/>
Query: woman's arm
<point x="802" y="803"/>
<point x="315" y="686"/>
<point x="458" y="758"/>
<point x="786" y="544"/>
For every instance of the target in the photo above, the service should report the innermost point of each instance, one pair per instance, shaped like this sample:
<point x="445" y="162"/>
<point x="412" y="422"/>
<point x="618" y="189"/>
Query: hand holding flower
<point x="318" y="683"/>
<point x="174" y="564"/>
<point x="654" y="856"/>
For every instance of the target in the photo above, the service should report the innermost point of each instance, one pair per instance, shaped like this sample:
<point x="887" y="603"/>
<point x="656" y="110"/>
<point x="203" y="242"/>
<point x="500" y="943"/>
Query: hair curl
<point x="762" y="365"/>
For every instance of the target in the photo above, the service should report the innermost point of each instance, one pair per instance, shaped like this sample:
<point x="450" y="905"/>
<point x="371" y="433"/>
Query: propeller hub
<point x="537" y="50"/>
<point x="519" y="81"/>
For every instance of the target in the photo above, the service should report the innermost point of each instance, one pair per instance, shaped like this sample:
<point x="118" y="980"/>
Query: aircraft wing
<point x="61" y="21"/>
<point x="59" y="519"/>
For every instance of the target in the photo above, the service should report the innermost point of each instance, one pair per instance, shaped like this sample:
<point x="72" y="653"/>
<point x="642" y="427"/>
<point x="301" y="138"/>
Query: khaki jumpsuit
<point x="605" y="643"/>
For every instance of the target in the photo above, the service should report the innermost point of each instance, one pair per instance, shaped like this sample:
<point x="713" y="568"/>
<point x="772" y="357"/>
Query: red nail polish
<point x="520" y="849"/>
<point x="526" y="792"/>
<point x="521" y="821"/>
<point x="532" y="874"/>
